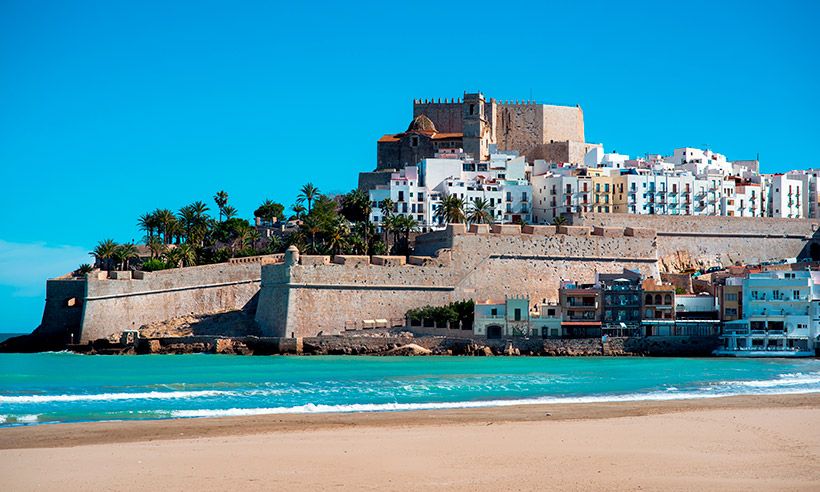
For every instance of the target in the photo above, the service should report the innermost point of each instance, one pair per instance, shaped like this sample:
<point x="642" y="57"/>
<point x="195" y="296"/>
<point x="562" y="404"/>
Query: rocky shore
<point x="404" y="343"/>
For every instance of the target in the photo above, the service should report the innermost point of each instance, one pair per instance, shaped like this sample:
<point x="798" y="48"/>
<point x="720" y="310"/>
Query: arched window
<point x="667" y="299"/>
<point x="648" y="299"/>
<point x="657" y="298"/>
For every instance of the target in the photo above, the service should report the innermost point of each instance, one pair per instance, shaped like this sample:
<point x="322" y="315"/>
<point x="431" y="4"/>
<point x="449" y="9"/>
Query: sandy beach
<point x="734" y="443"/>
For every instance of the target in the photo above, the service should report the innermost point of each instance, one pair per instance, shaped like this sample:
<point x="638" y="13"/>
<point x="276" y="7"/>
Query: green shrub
<point x="153" y="265"/>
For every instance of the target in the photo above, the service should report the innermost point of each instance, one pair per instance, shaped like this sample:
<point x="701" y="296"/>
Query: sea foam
<point x="151" y="395"/>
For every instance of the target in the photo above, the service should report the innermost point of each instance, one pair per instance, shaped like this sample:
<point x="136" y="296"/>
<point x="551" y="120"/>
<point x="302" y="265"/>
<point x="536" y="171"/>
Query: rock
<point x="409" y="349"/>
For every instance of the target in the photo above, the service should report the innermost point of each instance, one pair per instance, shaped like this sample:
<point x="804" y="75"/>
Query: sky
<point x="110" y="109"/>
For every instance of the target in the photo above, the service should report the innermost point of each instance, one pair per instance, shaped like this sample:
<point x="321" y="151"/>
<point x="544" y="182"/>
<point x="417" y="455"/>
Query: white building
<point x="514" y="318"/>
<point x="781" y="316"/>
<point x="784" y="196"/>
<point x="417" y="191"/>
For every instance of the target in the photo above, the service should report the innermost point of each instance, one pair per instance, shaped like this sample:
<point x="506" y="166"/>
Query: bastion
<point x="306" y="298"/>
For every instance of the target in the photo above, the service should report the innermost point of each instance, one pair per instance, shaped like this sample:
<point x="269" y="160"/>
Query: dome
<point x="422" y="123"/>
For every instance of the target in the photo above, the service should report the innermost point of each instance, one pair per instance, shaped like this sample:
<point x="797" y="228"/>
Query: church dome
<point x="422" y="123"/>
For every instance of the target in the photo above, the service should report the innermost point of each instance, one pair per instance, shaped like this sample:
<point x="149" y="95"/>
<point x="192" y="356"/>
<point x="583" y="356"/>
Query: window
<point x="517" y="314"/>
<point x="731" y="311"/>
<point x="401" y="196"/>
<point x="551" y="312"/>
<point x="414" y="141"/>
<point x="731" y="297"/>
<point x="796" y="294"/>
<point x="494" y="312"/>
<point x="472" y="109"/>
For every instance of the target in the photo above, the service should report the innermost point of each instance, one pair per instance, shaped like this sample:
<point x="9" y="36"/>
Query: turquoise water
<point x="64" y="387"/>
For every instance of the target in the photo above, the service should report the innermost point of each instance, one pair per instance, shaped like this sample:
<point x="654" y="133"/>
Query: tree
<point x="269" y="212"/>
<point x="221" y="200"/>
<point x="387" y="207"/>
<point x="308" y="193"/>
<point x="166" y="223"/>
<point x="559" y="220"/>
<point x="123" y="253"/>
<point x="356" y="206"/>
<point x="149" y="224"/>
<point x="84" y="269"/>
<point x="156" y="246"/>
<point x="451" y="210"/>
<point x="298" y="210"/>
<point x="186" y="255"/>
<point x="229" y="212"/>
<point x="194" y="221"/>
<point x="338" y="237"/>
<point x="480" y="212"/>
<point x="104" y="253"/>
<point x="406" y="224"/>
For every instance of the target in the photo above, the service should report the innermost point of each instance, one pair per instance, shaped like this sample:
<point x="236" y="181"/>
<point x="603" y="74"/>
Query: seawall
<point x="685" y="242"/>
<point x="309" y="295"/>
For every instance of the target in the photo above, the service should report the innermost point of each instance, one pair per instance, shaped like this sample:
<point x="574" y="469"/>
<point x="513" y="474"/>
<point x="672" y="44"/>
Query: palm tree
<point x="221" y="199"/>
<point x="337" y="239"/>
<point x="156" y="246"/>
<point x="559" y="220"/>
<point x="311" y="226"/>
<point x="387" y="207"/>
<point x="165" y="223"/>
<point x="451" y="210"/>
<point x="194" y="222"/>
<point x="148" y="222"/>
<point x="104" y="252"/>
<point x="480" y="212"/>
<point x="308" y="193"/>
<point x="186" y="254"/>
<point x="406" y="224"/>
<point x="229" y="212"/>
<point x="298" y="210"/>
<point x="123" y="253"/>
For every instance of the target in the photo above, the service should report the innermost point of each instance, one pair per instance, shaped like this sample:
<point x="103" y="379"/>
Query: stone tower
<point x="476" y="126"/>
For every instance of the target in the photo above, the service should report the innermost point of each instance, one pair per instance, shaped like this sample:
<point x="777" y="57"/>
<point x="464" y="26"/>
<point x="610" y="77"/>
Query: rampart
<point x="310" y="295"/>
<point x="686" y="242"/>
<point x="114" y="305"/>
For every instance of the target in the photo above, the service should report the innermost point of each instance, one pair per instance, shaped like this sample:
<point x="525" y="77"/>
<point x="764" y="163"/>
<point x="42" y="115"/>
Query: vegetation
<point x="320" y="224"/>
<point x="459" y="311"/>
<point x="559" y="220"/>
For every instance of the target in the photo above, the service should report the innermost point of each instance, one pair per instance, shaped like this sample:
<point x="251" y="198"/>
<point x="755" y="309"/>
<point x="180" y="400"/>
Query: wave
<point x="397" y="407"/>
<point x="792" y="379"/>
<point x="151" y="395"/>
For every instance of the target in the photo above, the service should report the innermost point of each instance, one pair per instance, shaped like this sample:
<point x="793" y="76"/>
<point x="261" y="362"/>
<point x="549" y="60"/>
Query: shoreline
<point x="730" y="443"/>
<point x="134" y="431"/>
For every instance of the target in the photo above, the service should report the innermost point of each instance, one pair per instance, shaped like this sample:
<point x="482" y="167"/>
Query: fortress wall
<point x="63" y="312"/>
<point x="691" y="242"/>
<point x="305" y="299"/>
<point x="562" y="123"/>
<point x="447" y="116"/>
<point x="111" y="306"/>
<point x="519" y="126"/>
<point x="704" y="224"/>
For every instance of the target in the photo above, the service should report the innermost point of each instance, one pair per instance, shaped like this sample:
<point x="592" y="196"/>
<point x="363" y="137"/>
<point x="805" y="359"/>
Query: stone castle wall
<point x="692" y="242"/>
<point x="63" y="313"/>
<point x="305" y="297"/>
<point x="114" y="305"/>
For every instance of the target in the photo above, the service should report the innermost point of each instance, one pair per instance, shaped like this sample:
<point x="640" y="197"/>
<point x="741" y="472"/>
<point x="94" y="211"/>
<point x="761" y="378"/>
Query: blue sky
<point x="110" y="109"/>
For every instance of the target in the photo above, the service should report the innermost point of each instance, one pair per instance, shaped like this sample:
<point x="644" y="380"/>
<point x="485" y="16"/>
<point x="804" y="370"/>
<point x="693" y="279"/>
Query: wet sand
<point x="734" y="443"/>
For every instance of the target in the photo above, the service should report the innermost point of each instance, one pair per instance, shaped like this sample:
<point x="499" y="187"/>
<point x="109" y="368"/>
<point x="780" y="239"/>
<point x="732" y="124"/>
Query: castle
<point x="476" y="125"/>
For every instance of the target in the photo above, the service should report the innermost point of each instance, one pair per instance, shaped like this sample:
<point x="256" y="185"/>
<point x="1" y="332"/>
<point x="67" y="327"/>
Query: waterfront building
<point x="781" y="314"/>
<point x="514" y="318"/>
<point x="581" y="309"/>
<point x="621" y="302"/>
<point x="658" y="301"/>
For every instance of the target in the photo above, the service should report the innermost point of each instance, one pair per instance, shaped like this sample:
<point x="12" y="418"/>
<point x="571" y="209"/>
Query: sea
<point x="50" y="388"/>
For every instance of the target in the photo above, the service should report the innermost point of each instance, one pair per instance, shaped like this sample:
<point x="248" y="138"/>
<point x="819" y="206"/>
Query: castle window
<point x="472" y="109"/>
<point x="414" y="141"/>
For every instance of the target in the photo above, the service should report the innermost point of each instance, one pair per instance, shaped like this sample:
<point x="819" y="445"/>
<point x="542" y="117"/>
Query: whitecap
<point x="152" y="395"/>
